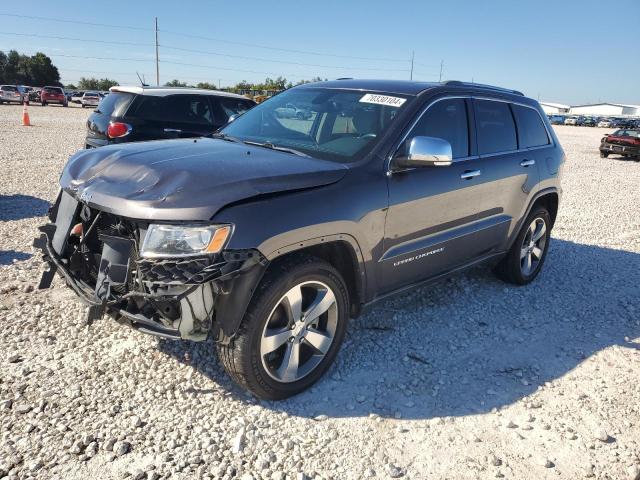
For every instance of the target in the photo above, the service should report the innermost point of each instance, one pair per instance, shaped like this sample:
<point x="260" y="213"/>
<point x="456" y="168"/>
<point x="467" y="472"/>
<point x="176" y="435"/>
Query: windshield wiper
<point x="224" y="136"/>
<point x="271" y="146"/>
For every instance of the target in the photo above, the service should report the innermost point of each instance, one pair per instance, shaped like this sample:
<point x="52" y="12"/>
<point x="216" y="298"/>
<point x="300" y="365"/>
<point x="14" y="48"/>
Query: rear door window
<point x="189" y="109"/>
<point x="496" y="130"/>
<point x="446" y="119"/>
<point x="531" y="130"/>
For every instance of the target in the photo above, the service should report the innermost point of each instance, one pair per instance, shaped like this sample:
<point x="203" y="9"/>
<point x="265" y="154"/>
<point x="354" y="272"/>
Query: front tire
<point x="292" y="330"/>
<point x="529" y="251"/>
<point x="604" y="154"/>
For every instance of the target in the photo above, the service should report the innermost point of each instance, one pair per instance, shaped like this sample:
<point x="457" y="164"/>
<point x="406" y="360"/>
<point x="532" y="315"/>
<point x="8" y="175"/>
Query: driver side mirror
<point x="425" y="152"/>
<point x="233" y="117"/>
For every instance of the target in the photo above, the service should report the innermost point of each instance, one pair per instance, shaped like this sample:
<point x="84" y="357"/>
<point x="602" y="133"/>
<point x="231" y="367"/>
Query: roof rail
<point x="482" y="85"/>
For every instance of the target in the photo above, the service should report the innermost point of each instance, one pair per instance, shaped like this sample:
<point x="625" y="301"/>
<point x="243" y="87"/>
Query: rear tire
<point x="529" y="250"/>
<point x="274" y="331"/>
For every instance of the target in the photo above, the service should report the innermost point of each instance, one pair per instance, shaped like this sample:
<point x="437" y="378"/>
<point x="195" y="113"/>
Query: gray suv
<point x="267" y="236"/>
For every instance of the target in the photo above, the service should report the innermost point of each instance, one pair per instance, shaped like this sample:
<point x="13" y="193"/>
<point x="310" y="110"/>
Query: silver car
<point x="90" y="99"/>
<point x="10" y="94"/>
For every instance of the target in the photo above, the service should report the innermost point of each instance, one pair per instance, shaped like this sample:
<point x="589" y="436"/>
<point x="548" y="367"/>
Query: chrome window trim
<point x="471" y="157"/>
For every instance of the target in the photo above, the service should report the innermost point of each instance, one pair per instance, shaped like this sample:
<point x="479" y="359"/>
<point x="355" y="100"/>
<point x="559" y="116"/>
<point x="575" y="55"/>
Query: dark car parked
<point x="268" y="236"/>
<point x="624" y="142"/>
<point x="131" y="114"/>
<point x="53" y="95"/>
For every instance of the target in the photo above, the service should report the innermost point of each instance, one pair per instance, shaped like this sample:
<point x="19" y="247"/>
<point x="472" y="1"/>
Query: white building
<point x="611" y="109"/>
<point x="554" y="108"/>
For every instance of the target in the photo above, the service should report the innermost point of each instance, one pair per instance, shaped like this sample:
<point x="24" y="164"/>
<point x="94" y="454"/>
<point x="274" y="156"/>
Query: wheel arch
<point x="549" y="198"/>
<point x="343" y="253"/>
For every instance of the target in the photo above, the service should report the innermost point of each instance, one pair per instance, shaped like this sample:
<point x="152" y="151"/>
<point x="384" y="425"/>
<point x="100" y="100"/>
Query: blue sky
<point x="555" y="50"/>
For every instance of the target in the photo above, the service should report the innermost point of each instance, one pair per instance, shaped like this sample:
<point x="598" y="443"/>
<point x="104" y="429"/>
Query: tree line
<point x="36" y="70"/>
<point x="270" y="84"/>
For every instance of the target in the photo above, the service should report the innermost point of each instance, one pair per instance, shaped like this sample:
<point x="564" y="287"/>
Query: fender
<point x="234" y="297"/>
<point x="534" y="199"/>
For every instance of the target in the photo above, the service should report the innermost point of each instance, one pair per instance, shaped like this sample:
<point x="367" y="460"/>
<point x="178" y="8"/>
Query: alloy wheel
<point x="299" y="332"/>
<point x="533" y="246"/>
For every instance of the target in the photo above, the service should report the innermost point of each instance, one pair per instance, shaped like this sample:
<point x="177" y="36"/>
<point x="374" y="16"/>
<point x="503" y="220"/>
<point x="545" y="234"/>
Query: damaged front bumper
<point x="190" y="298"/>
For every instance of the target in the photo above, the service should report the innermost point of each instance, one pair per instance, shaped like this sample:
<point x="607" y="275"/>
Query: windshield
<point x="337" y="125"/>
<point x="52" y="90"/>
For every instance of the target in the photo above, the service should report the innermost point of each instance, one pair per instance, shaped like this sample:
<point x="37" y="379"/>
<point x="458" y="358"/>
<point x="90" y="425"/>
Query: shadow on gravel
<point x="17" y="207"/>
<point x="8" y="256"/>
<point x="471" y="343"/>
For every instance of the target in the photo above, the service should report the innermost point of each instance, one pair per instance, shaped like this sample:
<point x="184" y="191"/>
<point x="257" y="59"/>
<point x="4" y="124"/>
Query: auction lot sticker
<point x="383" y="100"/>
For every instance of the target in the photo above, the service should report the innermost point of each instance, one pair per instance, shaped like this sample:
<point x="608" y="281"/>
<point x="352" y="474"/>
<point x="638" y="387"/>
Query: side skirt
<point x="488" y="259"/>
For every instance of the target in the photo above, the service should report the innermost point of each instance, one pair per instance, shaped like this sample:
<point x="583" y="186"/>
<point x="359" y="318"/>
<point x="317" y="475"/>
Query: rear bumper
<point x="93" y="142"/>
<point x="620" y="149"/>
<point x="60" y="101"/>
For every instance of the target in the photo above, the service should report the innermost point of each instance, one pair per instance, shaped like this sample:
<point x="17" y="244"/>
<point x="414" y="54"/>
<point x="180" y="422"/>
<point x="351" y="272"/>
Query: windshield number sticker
<point x="383" y="100"/>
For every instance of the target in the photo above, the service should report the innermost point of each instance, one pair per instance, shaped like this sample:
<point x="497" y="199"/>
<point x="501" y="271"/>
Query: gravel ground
<point x="469" y="378"/>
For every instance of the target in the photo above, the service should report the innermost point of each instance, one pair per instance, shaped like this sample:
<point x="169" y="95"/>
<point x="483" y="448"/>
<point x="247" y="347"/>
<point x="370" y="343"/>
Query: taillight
<point x="118" y="129"/>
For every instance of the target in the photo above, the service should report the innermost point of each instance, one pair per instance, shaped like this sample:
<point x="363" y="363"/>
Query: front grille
<point x="86" y="257"/>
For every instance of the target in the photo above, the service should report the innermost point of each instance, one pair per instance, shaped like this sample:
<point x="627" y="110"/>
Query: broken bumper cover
<point x="190" y="298"/>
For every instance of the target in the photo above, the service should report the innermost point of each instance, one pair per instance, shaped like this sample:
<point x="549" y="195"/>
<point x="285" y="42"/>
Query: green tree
<point x="41" y="71"/>
<point x="70" y="86"/>
<point x="96" y="84"/>
<point x="175" y="83"/>
<point x="37" y="70"/>
<point x="207" y="85"/>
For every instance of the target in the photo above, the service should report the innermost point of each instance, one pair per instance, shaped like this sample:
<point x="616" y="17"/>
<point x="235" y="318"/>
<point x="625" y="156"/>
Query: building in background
<point x="554" y="108"/>
<point x="610" y="109"/>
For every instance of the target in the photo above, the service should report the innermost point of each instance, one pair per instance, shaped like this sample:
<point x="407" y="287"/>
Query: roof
<point x="164" y="91"/>
<point x="606" y="103"/>
<point x="402" y="87"/>
<point x="555" y="105"/>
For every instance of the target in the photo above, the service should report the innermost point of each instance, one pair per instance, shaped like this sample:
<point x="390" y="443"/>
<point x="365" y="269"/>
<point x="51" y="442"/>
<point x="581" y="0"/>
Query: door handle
<point x="172" y="130"/>
<point x="469" y="174"/>
<point x="527" y="163"/>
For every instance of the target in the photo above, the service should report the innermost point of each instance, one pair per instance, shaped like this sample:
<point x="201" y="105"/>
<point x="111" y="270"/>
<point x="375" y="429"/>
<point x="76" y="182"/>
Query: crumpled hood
<point x="187" y="179"/>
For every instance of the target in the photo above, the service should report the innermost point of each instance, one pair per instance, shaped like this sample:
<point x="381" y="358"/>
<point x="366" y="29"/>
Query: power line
<point x="57" y="37"/>
<point x="202" y="37"/>
<point x="206" y="52"/>
<point x="288" y="50"/>
<point x="79" y="22"/>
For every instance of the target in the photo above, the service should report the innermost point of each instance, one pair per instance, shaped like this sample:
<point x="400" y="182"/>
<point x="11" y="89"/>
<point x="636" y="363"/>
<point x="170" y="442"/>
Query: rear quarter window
<point x="531" y="130"/>
<point x="116" y="103"/>
<point x="496" y="130"/>
<point x="231" y="106"/>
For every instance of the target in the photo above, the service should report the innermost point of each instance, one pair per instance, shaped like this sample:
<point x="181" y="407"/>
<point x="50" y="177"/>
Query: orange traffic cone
<point x="25" y="117"/>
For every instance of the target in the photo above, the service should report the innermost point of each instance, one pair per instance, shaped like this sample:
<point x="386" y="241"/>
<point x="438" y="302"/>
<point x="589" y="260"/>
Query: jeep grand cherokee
<point x="266" y="237"/>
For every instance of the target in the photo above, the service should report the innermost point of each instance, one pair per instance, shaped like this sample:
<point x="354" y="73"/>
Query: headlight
<point x="184" y="241"/>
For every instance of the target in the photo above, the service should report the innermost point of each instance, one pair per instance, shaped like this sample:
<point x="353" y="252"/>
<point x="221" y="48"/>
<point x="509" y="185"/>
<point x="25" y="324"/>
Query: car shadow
<point x="18" y="207"/>
<point x="620" y="158"/>
<point x="468" y="344"/>
<point x="7" y="257"/>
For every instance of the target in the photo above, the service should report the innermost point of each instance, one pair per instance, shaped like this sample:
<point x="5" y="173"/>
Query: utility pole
<point x="412" y="56"/>
<point x="157" y="61"/>
<point x="441" y="65"/>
